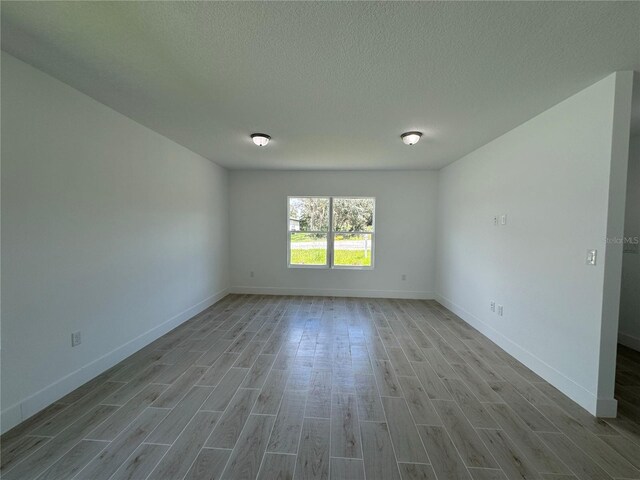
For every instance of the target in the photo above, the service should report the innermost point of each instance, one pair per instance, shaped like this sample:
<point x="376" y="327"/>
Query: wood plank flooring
<point x="276" y="387"/>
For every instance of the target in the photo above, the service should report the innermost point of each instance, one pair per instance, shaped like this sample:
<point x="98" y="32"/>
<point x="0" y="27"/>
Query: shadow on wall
<point x="629" y="325"/>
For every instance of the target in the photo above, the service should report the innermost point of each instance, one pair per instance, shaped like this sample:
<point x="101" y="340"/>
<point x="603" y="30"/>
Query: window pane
<point x="308" y="214"/>
<point x="353" y="250"/>
<point x="308" y="248"/>
<point x="353" y="214"/>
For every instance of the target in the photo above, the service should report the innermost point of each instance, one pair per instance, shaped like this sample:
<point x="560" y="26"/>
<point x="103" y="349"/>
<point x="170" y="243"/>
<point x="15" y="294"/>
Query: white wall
<point x="630" y="295"/>
<point x="557" y="177"/>
<point x="405" y="236"/>
<point x="107" y="228"/>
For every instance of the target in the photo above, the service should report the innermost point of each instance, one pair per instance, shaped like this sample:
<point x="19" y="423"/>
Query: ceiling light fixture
<point x="260" y="139"/>
<point x="411" y="138"/>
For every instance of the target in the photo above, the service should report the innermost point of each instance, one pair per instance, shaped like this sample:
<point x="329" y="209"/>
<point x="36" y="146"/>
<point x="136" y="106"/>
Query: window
<point x="331" y="232"/>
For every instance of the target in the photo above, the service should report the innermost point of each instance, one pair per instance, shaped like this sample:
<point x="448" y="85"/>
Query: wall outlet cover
<point x="76" y="339"/>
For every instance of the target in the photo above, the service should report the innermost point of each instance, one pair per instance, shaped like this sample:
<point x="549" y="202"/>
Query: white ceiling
<point x="334" y="83"/>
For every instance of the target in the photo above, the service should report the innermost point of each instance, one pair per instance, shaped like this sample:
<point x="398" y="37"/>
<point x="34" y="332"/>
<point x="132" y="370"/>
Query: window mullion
<point x="330" y="235"/>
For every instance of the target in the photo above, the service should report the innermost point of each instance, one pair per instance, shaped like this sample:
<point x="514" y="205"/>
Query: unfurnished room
<point x="320" y="240"/>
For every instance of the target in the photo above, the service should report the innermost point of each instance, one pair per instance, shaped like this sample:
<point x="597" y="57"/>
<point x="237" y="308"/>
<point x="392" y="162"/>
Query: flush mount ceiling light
<point x="260" y="139"/>
<point x="411" y="138"/>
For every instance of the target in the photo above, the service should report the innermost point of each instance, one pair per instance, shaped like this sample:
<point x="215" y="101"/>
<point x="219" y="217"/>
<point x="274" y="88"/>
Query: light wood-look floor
<point x="317" y="388"/>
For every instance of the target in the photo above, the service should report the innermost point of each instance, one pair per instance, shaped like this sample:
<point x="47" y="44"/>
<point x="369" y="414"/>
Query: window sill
<point x="327" y="267"/>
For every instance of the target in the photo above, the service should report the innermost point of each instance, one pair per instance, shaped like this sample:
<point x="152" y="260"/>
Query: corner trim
<point x="333" y="292"/>
<point x="605" y="407"/>
<point x="21" y="411"/>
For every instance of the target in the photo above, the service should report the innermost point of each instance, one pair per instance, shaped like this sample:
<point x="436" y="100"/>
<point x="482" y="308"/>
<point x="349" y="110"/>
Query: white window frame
<point x="334" y="233"/>
<point x="330" y="233"/>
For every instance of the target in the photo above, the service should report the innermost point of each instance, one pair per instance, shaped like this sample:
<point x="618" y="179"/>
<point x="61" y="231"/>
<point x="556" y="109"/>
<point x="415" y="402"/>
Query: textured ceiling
<point x="334" y="83"/>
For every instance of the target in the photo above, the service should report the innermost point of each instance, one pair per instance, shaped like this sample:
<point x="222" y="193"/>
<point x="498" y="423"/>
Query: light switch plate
<point x="591" y="257"/>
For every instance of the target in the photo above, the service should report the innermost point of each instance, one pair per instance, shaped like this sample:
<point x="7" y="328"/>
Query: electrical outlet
<point x="591" y="257"/>
<point x="500" y="310"/>
<point x="251" y="274"/>
<point x="495" y="220"/>
<point x="493" y="306"/>
<point x="76" y="338"/>
<point x="404" y="276"/>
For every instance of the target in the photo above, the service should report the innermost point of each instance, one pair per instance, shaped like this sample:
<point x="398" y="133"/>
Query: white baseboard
<point x="629" y="341"/>
<point x="605" y="407"/>
<point x="333" y="292"/>
<point x="19" y="412"/>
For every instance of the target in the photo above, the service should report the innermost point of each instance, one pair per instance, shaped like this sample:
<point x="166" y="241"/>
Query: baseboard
<point x="629" y="341"/>
<point x="19" y="412"/>
<point x="589" y="401"/>
<point x="606" y="408"/>
<point x="333" y="292"/>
